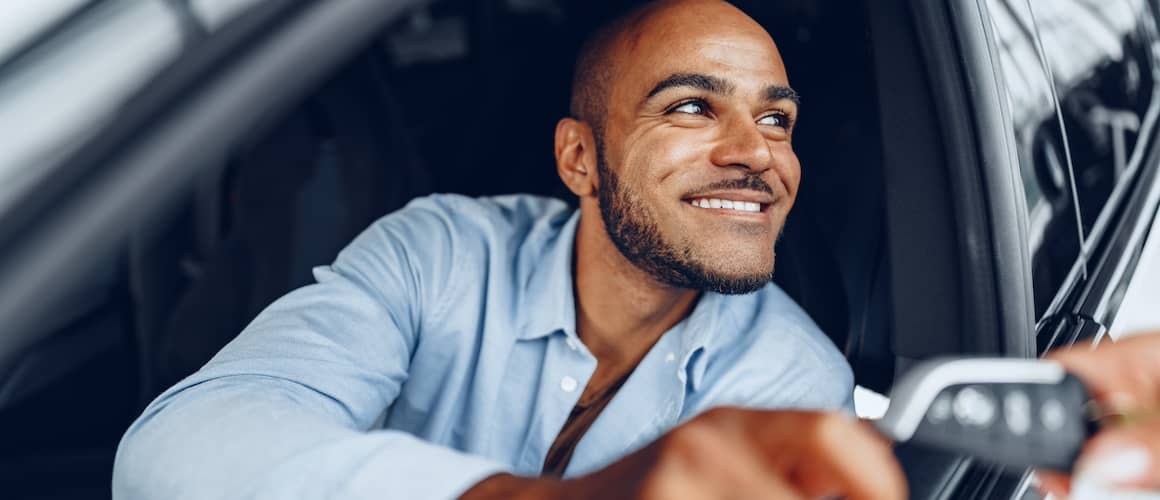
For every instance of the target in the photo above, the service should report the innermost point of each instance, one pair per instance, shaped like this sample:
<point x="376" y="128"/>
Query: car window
<point x="85" y="65"/>
<point x="1100" y="56"/>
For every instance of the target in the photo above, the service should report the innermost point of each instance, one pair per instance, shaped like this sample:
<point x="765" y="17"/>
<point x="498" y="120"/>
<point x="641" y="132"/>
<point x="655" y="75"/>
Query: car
<point x="979" y="178"/>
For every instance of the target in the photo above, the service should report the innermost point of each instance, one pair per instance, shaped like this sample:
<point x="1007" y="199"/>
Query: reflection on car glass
<point x="1077" y="36"/>
<point x="1102" y="62"/>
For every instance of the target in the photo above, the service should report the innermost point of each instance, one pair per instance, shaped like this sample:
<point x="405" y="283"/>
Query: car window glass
<point x="1100" y="57"/>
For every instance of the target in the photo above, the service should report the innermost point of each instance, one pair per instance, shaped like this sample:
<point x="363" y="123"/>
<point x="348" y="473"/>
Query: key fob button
<point x="1052" y="415"/>
<point x="1017" y="412"/>
<point x="973" y="407"/>
<point x="940" y="409"/>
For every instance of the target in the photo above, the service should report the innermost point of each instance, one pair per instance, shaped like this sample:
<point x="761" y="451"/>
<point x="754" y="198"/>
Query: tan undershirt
<point x="581" y="418"/>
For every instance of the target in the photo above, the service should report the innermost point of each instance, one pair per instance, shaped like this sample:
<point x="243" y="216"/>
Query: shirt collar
<point x="696" y="331"/>
<point x="549" y="292"/>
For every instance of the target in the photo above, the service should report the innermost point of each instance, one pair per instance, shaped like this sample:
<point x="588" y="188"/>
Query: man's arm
<point x="285" y="410"/>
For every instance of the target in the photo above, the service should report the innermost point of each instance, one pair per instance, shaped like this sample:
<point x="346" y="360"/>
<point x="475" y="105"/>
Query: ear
<point x="576" y="156"/>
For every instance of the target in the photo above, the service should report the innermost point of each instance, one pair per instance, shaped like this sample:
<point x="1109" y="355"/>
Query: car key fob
<point x="1016" y="412"/>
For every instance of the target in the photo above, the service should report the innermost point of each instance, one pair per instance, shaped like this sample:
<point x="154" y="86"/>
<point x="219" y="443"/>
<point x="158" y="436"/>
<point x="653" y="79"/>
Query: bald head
<point x="675" y="104"/>
<point x="612" y="45"/>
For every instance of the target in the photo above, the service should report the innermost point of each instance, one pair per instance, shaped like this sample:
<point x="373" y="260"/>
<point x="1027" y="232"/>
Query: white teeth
<point x="741" y="206"/>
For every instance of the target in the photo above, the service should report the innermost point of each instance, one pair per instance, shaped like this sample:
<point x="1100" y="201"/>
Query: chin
<point x="733" y="281"/>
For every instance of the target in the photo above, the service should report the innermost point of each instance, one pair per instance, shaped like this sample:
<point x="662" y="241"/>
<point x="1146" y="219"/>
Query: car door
<point x="67" y="380"/>
<point x="979" y="113"/>
<point x="1073" y="93"/>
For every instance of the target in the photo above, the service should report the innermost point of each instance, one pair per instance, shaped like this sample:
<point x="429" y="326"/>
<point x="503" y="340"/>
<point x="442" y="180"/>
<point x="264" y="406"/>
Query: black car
<point x="979" y="177"/>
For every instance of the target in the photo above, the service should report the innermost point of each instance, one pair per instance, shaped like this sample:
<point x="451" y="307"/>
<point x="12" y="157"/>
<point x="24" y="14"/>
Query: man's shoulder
<point x="458" y="224"/>
<point x="770" y="316"/>
<point x="768" y="344"/>
<point x="488" y="214"/>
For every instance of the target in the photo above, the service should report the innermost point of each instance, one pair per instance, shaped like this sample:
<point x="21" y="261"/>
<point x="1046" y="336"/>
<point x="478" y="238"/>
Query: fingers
<point x="826" y="455"/>
<point x="1125" y="377"/>
<point x="849" y="458"/>
<point x="702" y="463"/>
<point x="1053" y="483"/>
<point x="1124" y="374"/>
<point x="742" y="454"/>
<point x="1126" y="457"/>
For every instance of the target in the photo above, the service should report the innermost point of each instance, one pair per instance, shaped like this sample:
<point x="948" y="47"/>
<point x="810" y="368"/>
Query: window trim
<point x="67" y="175"/>
<point x="151" y="159"/>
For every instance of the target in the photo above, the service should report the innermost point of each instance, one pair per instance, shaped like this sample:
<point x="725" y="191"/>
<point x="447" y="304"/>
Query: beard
<point x="633" y="229"/>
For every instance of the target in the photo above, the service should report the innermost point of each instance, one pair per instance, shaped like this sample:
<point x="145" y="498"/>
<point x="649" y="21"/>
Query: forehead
<point x="725" y="44"/>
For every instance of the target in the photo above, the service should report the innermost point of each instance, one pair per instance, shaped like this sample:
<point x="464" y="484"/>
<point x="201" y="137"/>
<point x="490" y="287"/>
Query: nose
<point x="742" y="144"/>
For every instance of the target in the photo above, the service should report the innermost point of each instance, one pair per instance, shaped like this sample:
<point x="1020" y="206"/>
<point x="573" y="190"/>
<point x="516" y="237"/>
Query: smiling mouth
<point x="737" y="206"/>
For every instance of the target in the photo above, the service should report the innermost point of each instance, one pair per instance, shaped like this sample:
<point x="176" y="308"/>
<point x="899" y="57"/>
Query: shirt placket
<point x="566" y="370"/>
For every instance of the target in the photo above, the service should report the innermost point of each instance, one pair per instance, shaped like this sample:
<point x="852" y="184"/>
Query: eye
<point x="695" y="107"/>
<point x="775" y="119"/>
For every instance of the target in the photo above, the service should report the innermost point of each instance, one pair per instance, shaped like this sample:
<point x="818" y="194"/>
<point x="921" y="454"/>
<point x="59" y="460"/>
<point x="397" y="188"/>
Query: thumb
<point x="1127" y="457"/>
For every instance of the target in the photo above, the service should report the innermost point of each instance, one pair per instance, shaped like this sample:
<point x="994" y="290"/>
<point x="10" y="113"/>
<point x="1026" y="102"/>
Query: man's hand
<point x="730" y="453"/>
<point x="1124" y="377"/>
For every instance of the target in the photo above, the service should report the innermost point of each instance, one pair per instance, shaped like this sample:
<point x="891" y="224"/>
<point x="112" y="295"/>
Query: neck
<point x="621" y="310"/>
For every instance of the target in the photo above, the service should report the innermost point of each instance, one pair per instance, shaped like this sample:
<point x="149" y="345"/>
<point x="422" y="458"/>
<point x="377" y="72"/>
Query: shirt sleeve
<point x="289" y="408"/>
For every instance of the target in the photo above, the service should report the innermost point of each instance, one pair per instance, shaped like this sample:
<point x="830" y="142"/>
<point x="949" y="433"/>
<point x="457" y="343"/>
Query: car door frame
<point x="193" y="117"/>
<point x="1083" y="305"/>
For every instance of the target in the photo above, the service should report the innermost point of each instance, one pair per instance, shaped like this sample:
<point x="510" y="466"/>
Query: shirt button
<point x="670" y="358"/>
<point x="568" y="384"/>
<point x="572" y="344"/>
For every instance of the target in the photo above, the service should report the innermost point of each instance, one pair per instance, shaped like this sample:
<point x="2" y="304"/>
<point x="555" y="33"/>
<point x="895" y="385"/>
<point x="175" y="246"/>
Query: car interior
<point x="462" y="96"/>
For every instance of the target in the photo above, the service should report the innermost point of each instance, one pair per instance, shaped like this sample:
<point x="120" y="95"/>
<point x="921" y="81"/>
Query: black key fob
<point x="1016" y="412"/>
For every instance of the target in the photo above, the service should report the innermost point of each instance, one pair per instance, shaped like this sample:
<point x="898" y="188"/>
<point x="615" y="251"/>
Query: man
<point x="514" y="348"/>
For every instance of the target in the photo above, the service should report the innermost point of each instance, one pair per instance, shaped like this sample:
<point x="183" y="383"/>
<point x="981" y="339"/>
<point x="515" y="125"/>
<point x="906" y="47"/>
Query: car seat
<point x="291" y="201"/>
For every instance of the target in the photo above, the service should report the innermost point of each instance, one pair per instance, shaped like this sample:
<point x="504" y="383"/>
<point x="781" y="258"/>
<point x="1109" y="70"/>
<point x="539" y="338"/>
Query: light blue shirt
<point x="440" y="348"/>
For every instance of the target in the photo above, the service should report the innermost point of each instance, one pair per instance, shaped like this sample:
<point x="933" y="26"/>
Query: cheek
<point x="789" y="169"/>
<point x="663" y="156"/>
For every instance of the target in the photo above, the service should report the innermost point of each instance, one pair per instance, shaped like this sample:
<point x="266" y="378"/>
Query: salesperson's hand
<point x="1125" y="377"/>
<point x="735" y="454"/>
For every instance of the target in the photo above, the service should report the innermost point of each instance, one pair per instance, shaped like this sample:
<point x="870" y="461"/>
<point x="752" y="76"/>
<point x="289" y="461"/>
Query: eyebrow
<point x="720" y="86"/>
<point x="775" y="93"/>
<point x="694" y="80"/>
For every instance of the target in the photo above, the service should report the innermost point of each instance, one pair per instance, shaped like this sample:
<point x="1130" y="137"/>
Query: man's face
<point x="697" y="173"/>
